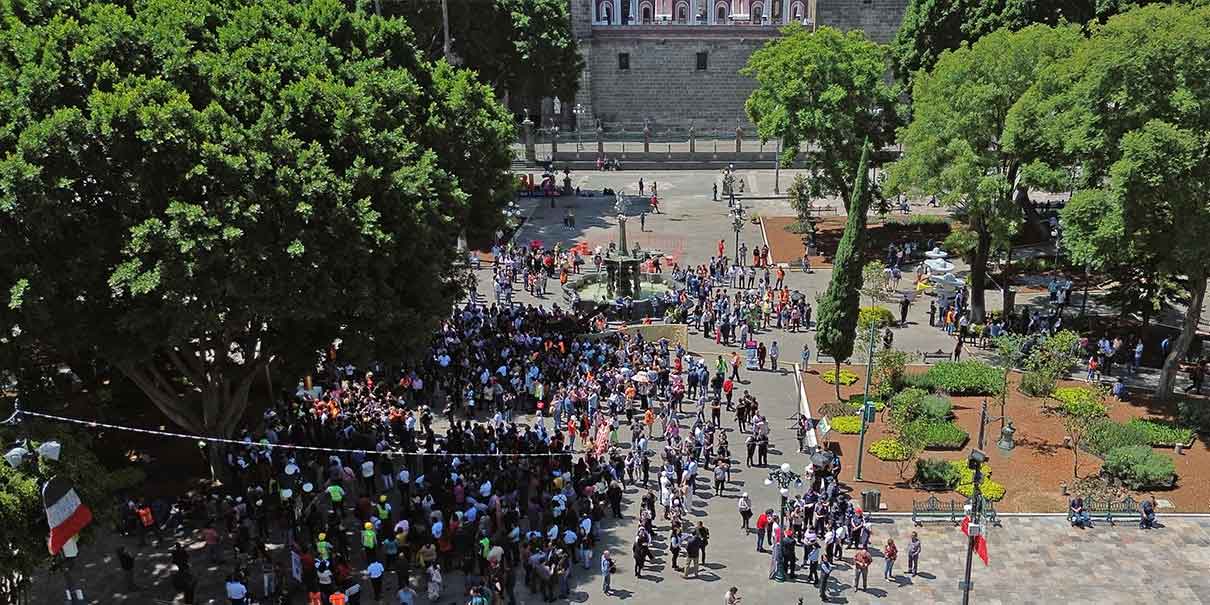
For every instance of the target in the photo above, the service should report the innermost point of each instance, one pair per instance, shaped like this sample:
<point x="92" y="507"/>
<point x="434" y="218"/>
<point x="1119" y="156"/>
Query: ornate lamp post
<point x="579" y="111"/>
<point x="974" y="462"/>
<point x="737" y="223"/>
<point x="784" y="478"/>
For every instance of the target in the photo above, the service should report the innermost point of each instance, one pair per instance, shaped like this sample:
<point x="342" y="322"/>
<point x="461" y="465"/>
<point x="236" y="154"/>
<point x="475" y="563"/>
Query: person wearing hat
<point x="323" y="548"/>
<point x="336" y="494"/>
<point x="369" y="542"/>
<point x="383" y="509"/>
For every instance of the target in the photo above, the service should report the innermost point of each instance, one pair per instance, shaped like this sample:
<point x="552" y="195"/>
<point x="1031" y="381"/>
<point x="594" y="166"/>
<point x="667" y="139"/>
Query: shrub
<point x="936" y="408"/>
<point x="847" y="377"/>
<point x="934" y="435"/>
<point x="1160" y="433"/>
<point x="935" y="471"/>
<point x="854" y="403"/>
<point x="1070" y="396"/>
<point x="889" y="365"/>
<point x="905" y="407"/>
<point x="964" y="378"/>
<point x="847" y="425"/>
<point x="890" y="450"/>
<point x="1038" y="383"/>
<point x="1104" y="435"/>
<point x="1194" y="414"/>
<point x="991" y="490"/>
<point x="879" y="316"/>
<point x="1139" y="467"/>
<point x="834" y="409"/>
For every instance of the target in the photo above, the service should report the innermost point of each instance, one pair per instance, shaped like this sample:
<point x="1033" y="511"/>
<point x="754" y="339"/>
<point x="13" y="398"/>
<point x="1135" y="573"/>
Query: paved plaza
<point x="1033" y="559"/>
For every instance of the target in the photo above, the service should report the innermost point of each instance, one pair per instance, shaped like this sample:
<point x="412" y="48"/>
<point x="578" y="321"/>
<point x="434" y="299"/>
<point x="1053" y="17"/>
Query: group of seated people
<point x="1079" y="516"/>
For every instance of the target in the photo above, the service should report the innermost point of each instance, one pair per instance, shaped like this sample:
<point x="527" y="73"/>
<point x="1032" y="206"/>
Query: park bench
<point x="937" y="355"/>
<point x="933" y="509"/>
<point x="821" y="357"/>
<point x="828" y="209"/>
<point x="1111" y="511"/>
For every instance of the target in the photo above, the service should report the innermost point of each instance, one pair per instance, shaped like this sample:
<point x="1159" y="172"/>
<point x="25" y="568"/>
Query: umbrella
<point x="495" y="554"/>
<point x="821" y="459"/>
<point x="936" y="253"/>
<point x="937" y="265"/>
<point x="641" y="377"/>
<point x="949" y="280"/>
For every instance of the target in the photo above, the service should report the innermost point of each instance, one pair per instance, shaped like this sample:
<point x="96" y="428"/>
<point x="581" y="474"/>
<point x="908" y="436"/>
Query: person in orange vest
<point x="147" y="524"/>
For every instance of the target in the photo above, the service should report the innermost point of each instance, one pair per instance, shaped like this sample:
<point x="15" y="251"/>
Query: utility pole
<point x="865" y="396"/>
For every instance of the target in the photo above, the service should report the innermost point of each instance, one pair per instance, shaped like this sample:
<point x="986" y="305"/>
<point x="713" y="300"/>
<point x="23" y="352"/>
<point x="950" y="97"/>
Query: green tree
<point x="518" y="47"/>
<point x="800" y="199"/>
<point x="931" y="27"/>
<point x="1079" y="415"/>
<point x="23" y="528"/>
<point x="198" y="190"/>
<point x="955" y="146"/>
<point x="826" y="90"/>
<point x="876" y="282"/>
<point x="839" y="304"/>
<point x="1128" y="113"/>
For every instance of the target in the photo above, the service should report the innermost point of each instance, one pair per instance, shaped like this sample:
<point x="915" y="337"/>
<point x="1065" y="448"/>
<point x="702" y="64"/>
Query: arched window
<point x="682" y="13"/>
<point x="796" y="12"/>
<point x="646" y="13"/>
<point x="757" y="10"/>
<point x="720" y="13"/>
<point x="604" y="10"/>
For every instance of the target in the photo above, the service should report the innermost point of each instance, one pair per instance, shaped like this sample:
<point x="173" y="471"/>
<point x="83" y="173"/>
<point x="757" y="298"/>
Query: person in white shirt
<point x="236" y="591"/>
<point x="367" y="476"/>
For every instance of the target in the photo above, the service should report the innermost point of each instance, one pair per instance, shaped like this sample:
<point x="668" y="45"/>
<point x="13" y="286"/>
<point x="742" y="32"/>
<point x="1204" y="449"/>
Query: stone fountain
<point x="622" y="278"/>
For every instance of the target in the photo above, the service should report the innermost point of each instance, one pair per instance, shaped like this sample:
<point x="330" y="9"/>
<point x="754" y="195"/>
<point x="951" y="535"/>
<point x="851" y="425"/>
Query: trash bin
<point x="871" y="499"/>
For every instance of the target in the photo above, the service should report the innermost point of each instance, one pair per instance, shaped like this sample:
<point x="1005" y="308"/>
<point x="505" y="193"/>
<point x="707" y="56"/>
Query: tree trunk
<point x="209" y="404"/>
<point x="979" y="276"/>
<point x="1188" y="330"/>
<point x="837" y="376"/>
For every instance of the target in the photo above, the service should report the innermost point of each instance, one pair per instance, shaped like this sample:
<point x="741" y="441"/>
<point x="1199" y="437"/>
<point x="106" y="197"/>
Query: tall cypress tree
<point x="840" y="304"/>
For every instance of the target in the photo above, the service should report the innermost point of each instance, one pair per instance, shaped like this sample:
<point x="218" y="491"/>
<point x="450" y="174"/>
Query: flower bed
<point x="846" y="377"/>
<point x="847" y="425"/>
<point x="935" y="435"/>
<point x="1162" y="434"/>
<point x="960" y="378"/>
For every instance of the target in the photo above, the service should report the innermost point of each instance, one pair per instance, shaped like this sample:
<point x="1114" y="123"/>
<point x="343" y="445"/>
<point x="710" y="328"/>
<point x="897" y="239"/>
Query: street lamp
<point x="784" y="478"/>
<point x="867" y="409"/>
<point x="737" y="223"/>
<point x="579" y="111"/>
<point x="974" y="528"/>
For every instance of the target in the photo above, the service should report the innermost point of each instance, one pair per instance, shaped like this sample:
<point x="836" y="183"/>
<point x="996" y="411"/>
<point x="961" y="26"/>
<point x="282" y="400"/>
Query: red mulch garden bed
<point x="1032" y="472"/>
<point x="787" y="246"/>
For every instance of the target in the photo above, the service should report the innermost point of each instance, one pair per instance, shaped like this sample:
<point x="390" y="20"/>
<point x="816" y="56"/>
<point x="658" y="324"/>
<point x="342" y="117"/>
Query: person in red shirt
<point x="728" y="390"/>
<point x="722" y="247"/>
<point x="762" y="522"/>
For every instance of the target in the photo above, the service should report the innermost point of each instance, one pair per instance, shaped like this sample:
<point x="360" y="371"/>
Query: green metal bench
<point x="932" y="510"/>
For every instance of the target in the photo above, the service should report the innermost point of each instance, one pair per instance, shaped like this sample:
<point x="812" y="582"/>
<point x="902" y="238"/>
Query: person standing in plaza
<point x="913" y="554"/>
<point x="703" y="538"/>
<point x="774" y="353"/>
<point x="607" y="569"/>
<point x="861" y="566"/>
<point x="890" y="552"/>
<point x="825" y="572"/>
<point x="745" y="512"/>
<point x="126" y="562"/>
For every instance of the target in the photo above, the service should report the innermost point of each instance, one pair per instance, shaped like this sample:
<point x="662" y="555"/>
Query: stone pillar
<point x="527" y="129"/>
<point x="600" y="139"/>
<point x="617" y="12"/>
<point x="785" y="11"/>
<point x="692" y="12"/>
<point x="739" y="138"/>
<point x="692" y="139"/>
<point x="646" y="136"/>
<point x="634" y="11"/>
<point x="709" y="12"/>
<point x="554" y="138"/>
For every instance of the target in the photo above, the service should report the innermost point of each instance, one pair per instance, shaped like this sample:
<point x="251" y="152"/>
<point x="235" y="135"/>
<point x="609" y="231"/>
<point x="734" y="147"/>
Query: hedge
<point x="855" y="403"/>
<point x="890" y="450"/>
<point x="846" y="377"/>
<point x="847" y="425"/>
<point x="1194" y="414"/>
<point x="936" y="435"/>
<point x="961" y="378"/>
<point x="936" y="407"/>
<point x="990" y="490"/>
<point x="1140" y="467"/>
<point x="1077" y="395"/>
<point x="1162" y="434"/>
<point x="936" y="471"/>
<point x="1104" y="435"/>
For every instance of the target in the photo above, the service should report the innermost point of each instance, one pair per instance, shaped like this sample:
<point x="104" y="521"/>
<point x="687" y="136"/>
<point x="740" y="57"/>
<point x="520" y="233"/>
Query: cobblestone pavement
<point x="1033" y="560"/>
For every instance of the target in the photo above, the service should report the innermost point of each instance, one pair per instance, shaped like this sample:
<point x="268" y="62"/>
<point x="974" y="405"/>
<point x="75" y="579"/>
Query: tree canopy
<point x="931" y="27"/>
<point x="195" y="190"/>
<point x="954" y="146"/>
<point x="1128" y="114"/>
<point x="518" y="46"/>
<point x="825" y="90"/>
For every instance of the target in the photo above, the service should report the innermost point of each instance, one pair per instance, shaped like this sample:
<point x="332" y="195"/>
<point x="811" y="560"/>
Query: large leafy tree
<point x="825" y="90"/>
<point x="194" y="191"/>
<point x="931" y="27"/>
<point x="839" y="305"/>
<point x="1129" y="114"/>
<point x="523" y="47"/>
<point x="954" y="146"/>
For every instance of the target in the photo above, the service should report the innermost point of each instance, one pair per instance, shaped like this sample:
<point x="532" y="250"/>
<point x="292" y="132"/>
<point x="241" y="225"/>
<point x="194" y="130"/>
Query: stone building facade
<point x="647" y="62"/>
